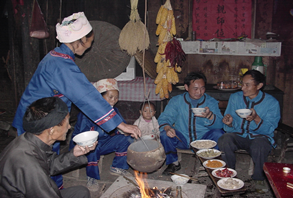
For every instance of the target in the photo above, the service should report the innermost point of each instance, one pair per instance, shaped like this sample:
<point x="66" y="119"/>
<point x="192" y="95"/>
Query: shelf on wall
<point x="236" y="48"/>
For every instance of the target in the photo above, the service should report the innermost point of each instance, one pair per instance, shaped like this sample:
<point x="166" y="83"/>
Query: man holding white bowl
<point x="180" y="124"/>
<point x="28" y="162"/>
<point x="253" y="132"/>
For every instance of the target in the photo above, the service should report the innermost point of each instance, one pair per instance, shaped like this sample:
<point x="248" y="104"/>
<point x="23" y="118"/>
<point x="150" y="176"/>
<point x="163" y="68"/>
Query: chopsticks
<point x="178" y="138"/>
<point x="289" y="185"/>
<point x="184" y="176"/>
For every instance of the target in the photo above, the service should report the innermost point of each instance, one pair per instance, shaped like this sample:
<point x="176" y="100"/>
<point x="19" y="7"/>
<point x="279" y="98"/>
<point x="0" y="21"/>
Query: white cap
<point x="106" y="85"/>
<point x="70" y="31"/>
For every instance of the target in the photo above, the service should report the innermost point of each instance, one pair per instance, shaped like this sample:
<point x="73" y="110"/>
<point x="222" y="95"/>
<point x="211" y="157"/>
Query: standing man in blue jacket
<point x="179" y="120"/>
<point x="255" y="133"/>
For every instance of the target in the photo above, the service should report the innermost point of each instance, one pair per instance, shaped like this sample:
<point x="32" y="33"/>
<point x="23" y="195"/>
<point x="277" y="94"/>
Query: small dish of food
<point x="228" y="85"/>
<point x="181" y="87"/>
<point x="230" y="183"/>
<point x="203" y="144"/>
<point x="224" y="172"/>
<point x="208" y="153"/>
<point x="180" y="180"/>
<point x="214" y="164"/>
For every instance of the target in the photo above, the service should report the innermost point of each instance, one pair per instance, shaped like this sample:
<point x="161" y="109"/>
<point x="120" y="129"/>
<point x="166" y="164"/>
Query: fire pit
<point x="121" y="188"/>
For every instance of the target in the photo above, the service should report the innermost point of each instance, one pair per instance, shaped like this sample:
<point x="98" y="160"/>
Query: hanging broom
<point x="132" y="34"/>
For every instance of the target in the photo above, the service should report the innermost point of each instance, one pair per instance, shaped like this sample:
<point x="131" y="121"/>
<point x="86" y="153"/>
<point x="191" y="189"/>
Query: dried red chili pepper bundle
<point x="174" y="53"/>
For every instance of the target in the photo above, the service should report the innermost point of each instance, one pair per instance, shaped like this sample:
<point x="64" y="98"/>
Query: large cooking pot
<point x="146" y="156"/>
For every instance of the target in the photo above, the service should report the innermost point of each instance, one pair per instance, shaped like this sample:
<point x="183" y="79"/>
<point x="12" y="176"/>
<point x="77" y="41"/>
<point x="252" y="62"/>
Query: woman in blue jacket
<point x="57" y="75"/>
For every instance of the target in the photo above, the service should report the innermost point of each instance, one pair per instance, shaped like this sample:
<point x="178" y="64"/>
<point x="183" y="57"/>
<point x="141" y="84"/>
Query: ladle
<point x="144" y="143"/>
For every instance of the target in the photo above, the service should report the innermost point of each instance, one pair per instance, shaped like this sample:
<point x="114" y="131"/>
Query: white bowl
<point x="178" y="180"/>
<point x="211" y="160"/>
<point x="198" y="111"/>
<point x="214" y="173"/>
<point x="148" y="137"/>
<point x="243" y="113"/>
<point x="87" y="138"/>
<point x="203" y="144"/>
<point x="208" y="153"/>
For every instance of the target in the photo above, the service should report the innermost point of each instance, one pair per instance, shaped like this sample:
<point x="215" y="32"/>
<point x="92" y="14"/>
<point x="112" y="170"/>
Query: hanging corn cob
<point x="132" y="34"/>
<point x="170" y="55"/>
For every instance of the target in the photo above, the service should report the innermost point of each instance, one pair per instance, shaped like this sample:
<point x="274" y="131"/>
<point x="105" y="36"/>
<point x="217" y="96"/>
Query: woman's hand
<point x="133" y="130"/>
<point x="80" y="150"/>
<point x="227" y="119"/>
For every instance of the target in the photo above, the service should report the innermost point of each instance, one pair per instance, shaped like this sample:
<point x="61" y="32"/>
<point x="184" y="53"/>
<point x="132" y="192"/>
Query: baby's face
<point x="111" y="97"/>
<point x="148" y="112"/>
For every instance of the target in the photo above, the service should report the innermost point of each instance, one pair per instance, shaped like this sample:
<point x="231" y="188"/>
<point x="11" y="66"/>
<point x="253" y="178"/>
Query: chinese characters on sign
<point x="221" y="18"/>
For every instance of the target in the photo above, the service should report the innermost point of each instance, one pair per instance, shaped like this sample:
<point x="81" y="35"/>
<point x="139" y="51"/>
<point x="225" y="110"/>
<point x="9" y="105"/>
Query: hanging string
<point x="60" y="12"/>
<point x="143" y="52"/>
<point x="45" y="40"/>
<point x="143" y="70"/>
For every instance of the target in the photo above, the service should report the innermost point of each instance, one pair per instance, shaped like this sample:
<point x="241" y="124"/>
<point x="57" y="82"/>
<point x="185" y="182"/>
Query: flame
<point x="143" y="185"/>
<point x="145" y="191"/>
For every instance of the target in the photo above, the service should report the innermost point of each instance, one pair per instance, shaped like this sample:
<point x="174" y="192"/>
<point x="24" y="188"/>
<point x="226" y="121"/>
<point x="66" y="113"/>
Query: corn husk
<point x="134" y="35"/>
<point x="165" y="31"/>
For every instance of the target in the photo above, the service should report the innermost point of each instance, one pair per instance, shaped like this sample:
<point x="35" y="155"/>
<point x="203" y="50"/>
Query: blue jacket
<point x="178" y="114"/>
<point x="267" y="108"/>
<point x="85" y="124"/>
<point x="58" y="75"/>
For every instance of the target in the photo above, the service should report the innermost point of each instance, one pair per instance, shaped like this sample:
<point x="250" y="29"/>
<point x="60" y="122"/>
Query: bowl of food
<point x="214" y="164"/>
<point x="224" y="172"/>
<point x="87" y="138"/>
<point x="230" y="183"/>
<point x="208" y="153"/>
<point x="228" y="85"/>
<point x="198" y="111"/>
<point x="179" y="180"/>
<point x="243" y="113"/>
<point x="203" y="144"/>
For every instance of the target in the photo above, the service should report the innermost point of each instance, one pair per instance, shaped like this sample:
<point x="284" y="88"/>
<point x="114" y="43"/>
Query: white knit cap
<point x="70" y="31"/>
<point x="106" y="85"/>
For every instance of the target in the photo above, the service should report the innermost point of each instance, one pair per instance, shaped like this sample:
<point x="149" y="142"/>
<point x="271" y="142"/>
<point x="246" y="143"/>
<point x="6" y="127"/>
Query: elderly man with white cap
<point x="57" y="75"/>
<point x="113" y="141"/>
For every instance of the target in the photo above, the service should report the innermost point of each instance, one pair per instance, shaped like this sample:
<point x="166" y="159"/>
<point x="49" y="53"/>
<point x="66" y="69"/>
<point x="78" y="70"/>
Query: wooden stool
<point x="197" y="165"/>
<point x="251" y="164"/>
<point x="180" y="151"/>
<point x="287" y="132"/>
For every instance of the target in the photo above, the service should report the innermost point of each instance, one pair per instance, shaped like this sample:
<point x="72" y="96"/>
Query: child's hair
<point x="147" y="103"/>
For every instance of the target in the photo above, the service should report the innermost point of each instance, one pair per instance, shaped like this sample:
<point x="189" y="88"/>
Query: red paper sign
<point x="221" y="18"/>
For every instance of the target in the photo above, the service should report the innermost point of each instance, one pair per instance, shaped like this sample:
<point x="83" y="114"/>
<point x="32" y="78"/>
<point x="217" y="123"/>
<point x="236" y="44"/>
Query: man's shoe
<point x="171" y="169"/>
<point x="261" y="187"/>
<point x="120" y="172"/>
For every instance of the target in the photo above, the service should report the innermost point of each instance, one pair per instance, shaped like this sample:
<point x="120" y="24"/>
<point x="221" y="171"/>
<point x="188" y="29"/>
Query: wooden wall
<point x="271" y="15"/>
<point x="282" y="74"/>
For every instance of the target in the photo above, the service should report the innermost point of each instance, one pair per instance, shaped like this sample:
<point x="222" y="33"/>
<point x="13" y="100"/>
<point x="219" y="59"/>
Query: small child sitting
<point x="147" y="122"/>
<point x="108" y="142"/>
